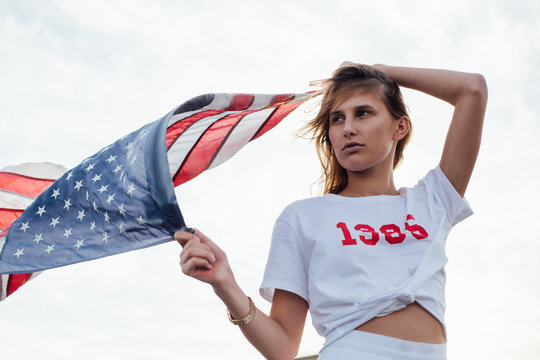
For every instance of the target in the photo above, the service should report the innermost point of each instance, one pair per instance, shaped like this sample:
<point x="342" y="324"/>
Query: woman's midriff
<point x="411" y="323"/>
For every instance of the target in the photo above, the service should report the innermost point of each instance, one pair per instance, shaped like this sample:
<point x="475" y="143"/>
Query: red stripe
<point x="176" y="129"/>
<point x="281" y="98"/>
<point x="7" y="216"/>
<point x="16" y="281"/>
<point x="203" y="152"/>
<point x="24" y="185"/>
<point x="241" y="102"/>
<point x="276" y="117"/>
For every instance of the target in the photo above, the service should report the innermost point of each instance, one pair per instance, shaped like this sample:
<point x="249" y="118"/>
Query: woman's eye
<point x="362" y="113"/>
<point x="335" y="119"/>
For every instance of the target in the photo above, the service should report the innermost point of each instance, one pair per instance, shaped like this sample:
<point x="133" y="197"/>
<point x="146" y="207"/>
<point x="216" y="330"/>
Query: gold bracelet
<point x="247" y="319"/>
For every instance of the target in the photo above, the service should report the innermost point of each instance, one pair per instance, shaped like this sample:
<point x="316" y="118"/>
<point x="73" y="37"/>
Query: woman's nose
<point x="348" y="128"/>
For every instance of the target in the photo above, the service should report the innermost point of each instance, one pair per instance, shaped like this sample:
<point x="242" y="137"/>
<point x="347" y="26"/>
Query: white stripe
<point x="241" y="134"/>
<point x="260" y="101"/>
<point x="11" y="200"/>
<point x="183" y="144"/>
<point x="220" y="102"/>
<point x="44" y="170"/>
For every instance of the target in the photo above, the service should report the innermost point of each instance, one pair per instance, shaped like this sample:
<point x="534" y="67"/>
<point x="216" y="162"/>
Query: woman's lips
<point x="351" y="147"/>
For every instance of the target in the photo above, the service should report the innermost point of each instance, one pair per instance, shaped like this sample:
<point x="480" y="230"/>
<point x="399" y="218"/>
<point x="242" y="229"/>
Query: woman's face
<point x="362" y="132"/>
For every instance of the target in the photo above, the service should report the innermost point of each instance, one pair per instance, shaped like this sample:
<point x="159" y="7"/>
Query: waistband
<point x="393" y="348"/>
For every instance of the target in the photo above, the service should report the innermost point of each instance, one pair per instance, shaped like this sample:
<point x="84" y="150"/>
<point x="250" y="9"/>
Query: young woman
<point x="366" y="259"/>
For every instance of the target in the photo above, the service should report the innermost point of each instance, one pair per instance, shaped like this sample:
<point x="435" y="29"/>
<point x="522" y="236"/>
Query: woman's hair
<point x="345" y="81"/>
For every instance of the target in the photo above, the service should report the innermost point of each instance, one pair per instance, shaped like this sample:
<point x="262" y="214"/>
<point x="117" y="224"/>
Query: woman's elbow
<point x="477" y="86"/>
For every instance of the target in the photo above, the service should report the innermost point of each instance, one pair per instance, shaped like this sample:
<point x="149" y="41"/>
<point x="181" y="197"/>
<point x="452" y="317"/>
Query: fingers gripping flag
<point x="122" y="198"/>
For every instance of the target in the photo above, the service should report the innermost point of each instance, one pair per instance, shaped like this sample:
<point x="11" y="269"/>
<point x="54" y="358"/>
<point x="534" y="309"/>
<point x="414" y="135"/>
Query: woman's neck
<point x="371" y="182"/>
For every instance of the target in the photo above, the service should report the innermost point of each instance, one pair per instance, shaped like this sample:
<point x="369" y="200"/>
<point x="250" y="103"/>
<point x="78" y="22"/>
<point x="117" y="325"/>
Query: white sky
<point x="75" y="76"/>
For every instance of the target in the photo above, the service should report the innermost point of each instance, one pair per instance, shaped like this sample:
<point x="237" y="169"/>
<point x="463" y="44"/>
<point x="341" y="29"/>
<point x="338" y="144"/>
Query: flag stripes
<point x="221" y="126"/>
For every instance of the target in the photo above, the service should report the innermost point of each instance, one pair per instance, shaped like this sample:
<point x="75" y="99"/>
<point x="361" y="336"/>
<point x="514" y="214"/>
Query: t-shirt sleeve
<point x="456" y="207"/>
<point x="286" y="268"/>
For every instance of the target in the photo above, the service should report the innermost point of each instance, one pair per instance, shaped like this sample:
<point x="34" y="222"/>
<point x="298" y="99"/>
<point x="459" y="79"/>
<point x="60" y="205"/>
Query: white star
<point x="122" y="210"/>
<point x="79" y="244"/>
<point x="90" y="167"/>
<point x="41" y="210"/>
<point x="81" y="215"/>
<point x="87" y="196"/>
<point x="24" y="226"/>
<point x="69" y="175"/>
<point x="141" y="220"/>
<point x="49" y="248"/>
<point x="106" y="217"/>
<point x="67" y="204"/>
<point x="111" y="159"/>
<point x="96" y="177"/>
<point x="117" y="169"/>
<point x="103" y="188"/>
<point x="110" y="198"/>
<point x="19" y="253"/>
<point x="122" y="228"/>
<point x="55" y="222"/>
<point x="38" y="238"/>
<point x="55" y="193"/>
<point x="94" y="205"/>
<point x="105" y="237"/>
<point x="67" y="233"/>
<point x="92" y="225"/>
<point x="78" y="185"/>
<point x="131" y="189"/>
<point x="129" y="147"/>
<point x="133" y="159"/>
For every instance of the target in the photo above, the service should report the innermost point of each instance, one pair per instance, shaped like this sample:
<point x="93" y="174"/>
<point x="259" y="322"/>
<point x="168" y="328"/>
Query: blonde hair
<point x="345" y="81"/>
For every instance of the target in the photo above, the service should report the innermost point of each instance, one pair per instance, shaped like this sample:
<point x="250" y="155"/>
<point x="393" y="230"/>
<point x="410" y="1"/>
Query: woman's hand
<point x="203" y="260"/>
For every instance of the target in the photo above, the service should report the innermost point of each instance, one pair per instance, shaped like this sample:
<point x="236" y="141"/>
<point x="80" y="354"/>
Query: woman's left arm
<point x="468" y="94"/>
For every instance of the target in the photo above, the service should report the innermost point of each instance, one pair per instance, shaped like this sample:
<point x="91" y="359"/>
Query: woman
<point x="365" y="259"/>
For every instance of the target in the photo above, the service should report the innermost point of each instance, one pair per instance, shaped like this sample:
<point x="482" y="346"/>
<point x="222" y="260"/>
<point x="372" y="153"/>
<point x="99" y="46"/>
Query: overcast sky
<point x="76" y="75"/>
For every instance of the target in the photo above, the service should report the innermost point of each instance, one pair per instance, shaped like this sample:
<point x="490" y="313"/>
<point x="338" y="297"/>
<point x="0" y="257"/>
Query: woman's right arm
<point x="276" y="336"/>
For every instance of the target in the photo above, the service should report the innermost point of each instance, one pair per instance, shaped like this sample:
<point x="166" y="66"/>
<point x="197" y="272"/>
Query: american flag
<point x="122" y="198"/>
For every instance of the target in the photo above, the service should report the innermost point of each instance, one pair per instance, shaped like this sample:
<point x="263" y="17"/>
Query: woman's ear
<point x="403" y="127"/>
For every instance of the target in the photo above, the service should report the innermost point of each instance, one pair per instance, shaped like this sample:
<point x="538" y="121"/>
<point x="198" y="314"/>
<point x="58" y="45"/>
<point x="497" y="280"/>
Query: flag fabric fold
<point x="122" y="198"/>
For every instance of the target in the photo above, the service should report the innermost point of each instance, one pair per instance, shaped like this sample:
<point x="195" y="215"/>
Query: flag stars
<point x="87" y="196"/>
<point x="92" y="226"/>
<point x="110" y="198"/>
<point x="56" y="193"/>
<point x="67" y="204"/>
<point x="67" y="233"/>
<point x="24" y="227"/>
<point x="95" y="205"/>
<point x="41" y="210"/>
<point x="103" y="188"/>
<point x="19" y="252"/>
<point x="131" y="189"/>
<point x="79" y="244"/>
<point x="69" y="175"/>
<point x="140" y="220"/>
<point x="96" y="178"/>
<point x="105" y="237"/>
<point x="38" y="238"/>
<point x="90" y="167"/>
<point x="129" y="147"/>
<point x="81" y="215"/>
<point x="107" y="218"/>
<point x="55" y="221"/>
<point x="78" y="186"/>
<point x="49" y="249"/>
<point x="122" y="210"/>
<point x="111" y="159"/>
<point x="117" y="169"/>
<point x="122" y="228"/>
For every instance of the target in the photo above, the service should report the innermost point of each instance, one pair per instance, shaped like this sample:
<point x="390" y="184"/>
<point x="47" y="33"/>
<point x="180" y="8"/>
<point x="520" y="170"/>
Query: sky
<point x="75" y="76"/>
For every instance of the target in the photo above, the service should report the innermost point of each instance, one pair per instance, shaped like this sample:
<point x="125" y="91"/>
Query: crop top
<point x="356" y="258"/>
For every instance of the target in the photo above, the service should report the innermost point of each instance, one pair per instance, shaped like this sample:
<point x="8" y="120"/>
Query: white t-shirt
<point x="353" y="259"/>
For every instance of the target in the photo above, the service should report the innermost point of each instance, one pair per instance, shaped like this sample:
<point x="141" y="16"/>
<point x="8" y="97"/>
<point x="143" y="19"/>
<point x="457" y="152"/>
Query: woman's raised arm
<point x="276" y="336"/>
<point x="468" y="94"/>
